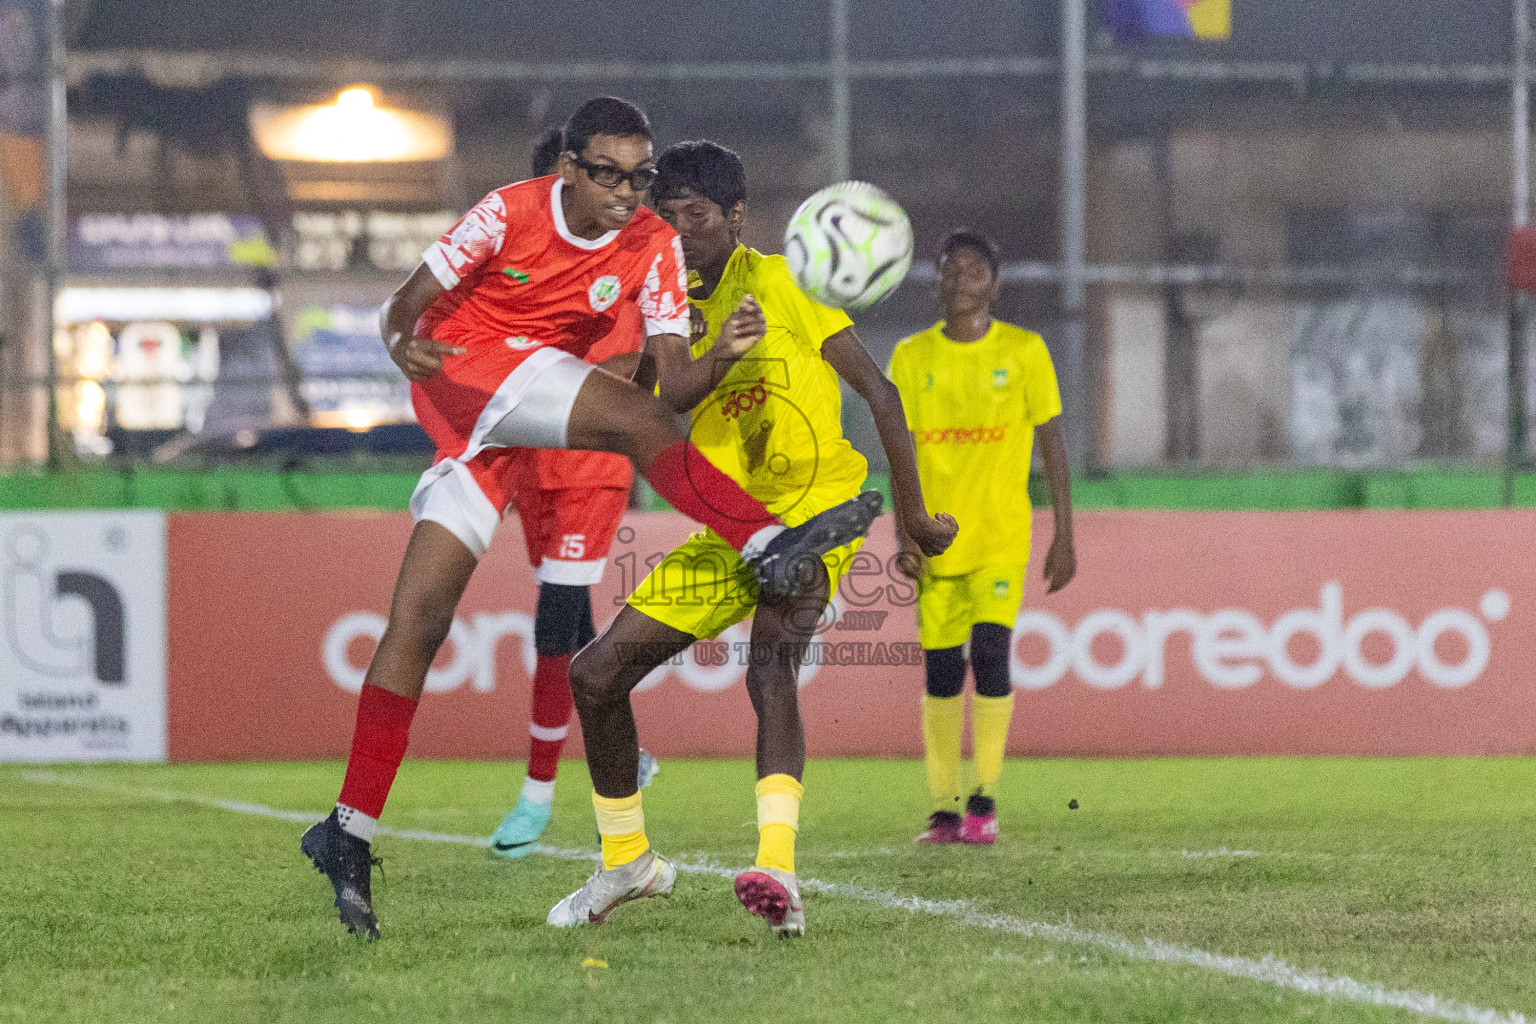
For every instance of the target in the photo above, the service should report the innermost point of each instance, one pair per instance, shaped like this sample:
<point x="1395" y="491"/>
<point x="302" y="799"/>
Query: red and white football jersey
<point x="516" y="276"/>
<point x="517" y="281"/>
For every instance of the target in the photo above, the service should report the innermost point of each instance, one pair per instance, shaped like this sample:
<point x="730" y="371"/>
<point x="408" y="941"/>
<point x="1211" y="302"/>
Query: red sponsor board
<point x="1185" y="633"/>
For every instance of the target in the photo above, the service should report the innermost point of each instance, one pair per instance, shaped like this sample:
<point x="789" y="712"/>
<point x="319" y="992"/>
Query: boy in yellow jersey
<point x="977" y="392"/>
<point x="770" y="416"/>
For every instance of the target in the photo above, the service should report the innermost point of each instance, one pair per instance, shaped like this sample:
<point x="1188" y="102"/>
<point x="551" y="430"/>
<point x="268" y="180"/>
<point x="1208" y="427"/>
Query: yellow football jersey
<point x="972" y="409"/>
<point x="774" y="423"/>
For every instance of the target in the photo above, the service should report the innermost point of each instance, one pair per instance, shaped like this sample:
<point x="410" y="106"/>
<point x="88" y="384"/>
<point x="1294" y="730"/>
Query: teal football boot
<point x="519" y="831"/>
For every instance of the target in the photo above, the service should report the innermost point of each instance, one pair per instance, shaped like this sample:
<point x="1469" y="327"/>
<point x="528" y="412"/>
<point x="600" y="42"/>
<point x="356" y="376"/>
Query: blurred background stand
<point x="1263" y="238"/>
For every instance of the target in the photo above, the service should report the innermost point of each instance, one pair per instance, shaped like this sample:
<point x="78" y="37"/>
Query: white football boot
<point x="650" y="874"/>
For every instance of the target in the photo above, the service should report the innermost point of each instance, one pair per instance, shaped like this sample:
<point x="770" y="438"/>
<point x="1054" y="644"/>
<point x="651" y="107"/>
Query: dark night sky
<point x="1385" y="30"/>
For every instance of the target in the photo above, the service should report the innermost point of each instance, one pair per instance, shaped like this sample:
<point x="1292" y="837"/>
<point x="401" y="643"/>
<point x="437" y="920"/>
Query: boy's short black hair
<point x="966" y="238"/>
<point x="546" y="152"/>
<point x="606" y="115"/>
<point x="708" y="168"/>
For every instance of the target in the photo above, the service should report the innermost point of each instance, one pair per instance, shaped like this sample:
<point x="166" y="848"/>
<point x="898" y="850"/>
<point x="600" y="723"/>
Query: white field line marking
<point x="1223" y="852"/>
<point x="879" y="851"/>
<point x="301" y="817"/>
<point x="1269" y="970"/>
<point x="886" y="851"/>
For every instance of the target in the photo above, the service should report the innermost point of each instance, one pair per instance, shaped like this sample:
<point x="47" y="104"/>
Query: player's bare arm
<point x="919" y="532"/>
<point x="1061" y="559"/>
<point x="910" y="561"/>
<point x="418" y="358"/>
<point x="686" y="381"/>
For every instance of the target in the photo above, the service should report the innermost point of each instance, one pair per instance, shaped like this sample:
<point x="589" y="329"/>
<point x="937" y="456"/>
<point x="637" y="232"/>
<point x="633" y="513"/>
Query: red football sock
<point x="698" y="490"/>
<point x="378" y="747"/>
<point x="551" y="715"/>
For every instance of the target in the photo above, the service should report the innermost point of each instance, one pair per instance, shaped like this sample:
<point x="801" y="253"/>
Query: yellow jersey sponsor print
<point x="972" y="408"/>
<point x="774" y="423"/>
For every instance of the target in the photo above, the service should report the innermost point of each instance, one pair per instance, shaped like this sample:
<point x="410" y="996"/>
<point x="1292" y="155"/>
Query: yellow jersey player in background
<point x="768" y="414"/>
<point x="977" y="392"/>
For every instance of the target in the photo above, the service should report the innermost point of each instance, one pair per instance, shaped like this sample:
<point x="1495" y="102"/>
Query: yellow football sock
<point x="621" y="823"/>
<point x="989" y="719"/>
<point x="942" y="720"/>
<point x="778" y="820"/>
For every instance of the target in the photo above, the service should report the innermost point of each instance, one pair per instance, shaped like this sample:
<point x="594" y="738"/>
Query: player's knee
<point x="945" y="670"/>
<point x="593" y="679"/>
<point x="800" y="617"/>
<point x="653" y="415"/>
<point x="649" y="426"/>
<point x="990" y="643"/>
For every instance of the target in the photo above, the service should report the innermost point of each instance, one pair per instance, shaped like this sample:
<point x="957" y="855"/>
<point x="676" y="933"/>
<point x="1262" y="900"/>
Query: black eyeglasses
<point x="609" y="176"/>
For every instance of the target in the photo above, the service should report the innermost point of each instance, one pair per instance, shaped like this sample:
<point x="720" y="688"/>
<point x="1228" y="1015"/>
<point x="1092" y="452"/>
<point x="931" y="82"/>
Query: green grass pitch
<point x="1275" y="890"/>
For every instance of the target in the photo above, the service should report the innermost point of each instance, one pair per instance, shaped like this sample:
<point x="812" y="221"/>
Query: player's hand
<point x="741" y="330"/>
<point x="698" y="324"/>
<point x="1060" y="563"/>
<point x="932" y="534"/>
<point x="421" y="358"/>
<point x="911" y="563"/>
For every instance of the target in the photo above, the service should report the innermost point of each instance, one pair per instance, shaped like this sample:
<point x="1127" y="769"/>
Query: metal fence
<point x="1237" y="261"/>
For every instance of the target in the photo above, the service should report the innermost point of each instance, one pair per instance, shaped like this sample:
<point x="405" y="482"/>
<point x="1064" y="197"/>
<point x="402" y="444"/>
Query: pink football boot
<point x="774" y="896"/>
<point x="943" y="827"/>
<point x="979" y="828"/>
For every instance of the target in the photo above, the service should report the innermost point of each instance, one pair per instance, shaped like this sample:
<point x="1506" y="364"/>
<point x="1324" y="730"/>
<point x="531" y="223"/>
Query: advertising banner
<point x="82" y="662"/>
<point x="1185" y="633"/>
<point x="117" y="241"/>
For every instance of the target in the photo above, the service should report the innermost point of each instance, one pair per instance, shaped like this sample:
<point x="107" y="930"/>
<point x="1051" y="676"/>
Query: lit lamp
<point x="354" y="129"/>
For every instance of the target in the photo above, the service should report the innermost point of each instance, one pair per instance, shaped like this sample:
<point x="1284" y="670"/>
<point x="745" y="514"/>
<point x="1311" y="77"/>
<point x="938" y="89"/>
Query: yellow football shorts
<point x="704" y="585"/>
<point x="948" y="606"/>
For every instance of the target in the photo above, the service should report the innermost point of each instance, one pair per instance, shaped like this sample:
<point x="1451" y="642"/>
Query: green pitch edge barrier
<point x="1317" y="489"/>
<point x="220" y="490"/>
<point x="247" y="490"/>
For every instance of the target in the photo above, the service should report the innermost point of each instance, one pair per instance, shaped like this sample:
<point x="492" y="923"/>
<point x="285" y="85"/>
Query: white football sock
<point x="759" y="540"/>
<point x="355" y="822"/>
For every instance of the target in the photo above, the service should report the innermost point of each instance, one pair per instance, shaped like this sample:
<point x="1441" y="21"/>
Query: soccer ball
<point x="849" y="245"/>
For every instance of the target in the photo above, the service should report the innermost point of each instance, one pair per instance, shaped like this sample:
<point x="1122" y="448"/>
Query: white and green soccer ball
<point x="849" y="245"/>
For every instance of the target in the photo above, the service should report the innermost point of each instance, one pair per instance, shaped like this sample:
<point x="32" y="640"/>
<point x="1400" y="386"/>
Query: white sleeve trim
<point x="678" y="325"/>
<point x="437" y="262"/>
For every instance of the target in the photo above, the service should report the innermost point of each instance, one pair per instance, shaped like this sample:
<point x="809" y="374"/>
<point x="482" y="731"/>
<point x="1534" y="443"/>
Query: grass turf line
<point x="1415" y="874"/>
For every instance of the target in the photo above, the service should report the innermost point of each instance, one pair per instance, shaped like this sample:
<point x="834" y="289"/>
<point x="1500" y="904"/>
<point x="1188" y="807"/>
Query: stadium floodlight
<point x="353" y="129"/>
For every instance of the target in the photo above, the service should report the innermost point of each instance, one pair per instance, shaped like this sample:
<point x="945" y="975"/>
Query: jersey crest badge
<point x="520" y="342"/>
<point x="999" y="378"/>
<point x="603" y="292"/>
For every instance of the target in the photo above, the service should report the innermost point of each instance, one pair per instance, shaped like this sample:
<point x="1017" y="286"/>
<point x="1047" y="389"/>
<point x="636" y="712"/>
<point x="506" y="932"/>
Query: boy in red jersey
<point x="492" y="329"/>
<point x="570" y="504"/>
